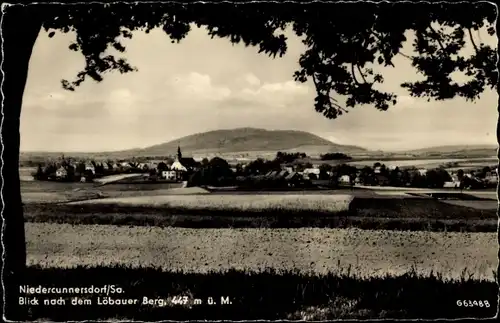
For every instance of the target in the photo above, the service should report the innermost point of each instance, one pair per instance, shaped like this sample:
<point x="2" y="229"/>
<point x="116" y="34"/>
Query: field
<point x="235" y="203"/>
<point x="353" y="254"/>
<point x="368" y="253"/>
<point x="430" y="163"/>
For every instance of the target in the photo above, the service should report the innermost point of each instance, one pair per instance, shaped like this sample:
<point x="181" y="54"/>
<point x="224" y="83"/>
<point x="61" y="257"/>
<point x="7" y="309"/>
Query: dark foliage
<point x="267" y="295"/>
<point x="344" y="41"/>
<point x="335" y="156"/>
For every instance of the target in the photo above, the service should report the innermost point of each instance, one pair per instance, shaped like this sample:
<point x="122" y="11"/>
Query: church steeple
<point x="179" y="153"/>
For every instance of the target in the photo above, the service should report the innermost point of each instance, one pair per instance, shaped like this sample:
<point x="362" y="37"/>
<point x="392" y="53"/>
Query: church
<point x="181" y="167"/>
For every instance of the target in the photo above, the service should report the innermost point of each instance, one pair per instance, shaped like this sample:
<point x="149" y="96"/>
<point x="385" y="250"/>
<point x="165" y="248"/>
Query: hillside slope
<point x="458" y="149"/>
<point x="248" y="140"/>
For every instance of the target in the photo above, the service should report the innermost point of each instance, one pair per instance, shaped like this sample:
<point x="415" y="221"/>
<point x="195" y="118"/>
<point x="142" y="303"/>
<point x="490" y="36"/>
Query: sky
<point x="206" y="84"/>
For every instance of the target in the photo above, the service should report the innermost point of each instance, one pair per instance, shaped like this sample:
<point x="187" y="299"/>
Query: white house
<point x="169" y="174"/>
<point x="422" y="171"/>
<point x="451" y="184"/>
<point x="177" y="166"/>
<point x="314" y="171"/>
<point x="90" y="167"/>
<point x="288" y="169"/>
<point x="345" y="179"/>
<point x="61" y="172"/>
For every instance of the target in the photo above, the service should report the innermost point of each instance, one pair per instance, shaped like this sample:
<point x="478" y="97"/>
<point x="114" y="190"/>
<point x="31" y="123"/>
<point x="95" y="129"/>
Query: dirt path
<point x="320" y="250"/>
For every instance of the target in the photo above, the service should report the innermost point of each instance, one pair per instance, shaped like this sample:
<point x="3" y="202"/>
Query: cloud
<point x="252" y="80"/>
<point x="198" y="86"/>
<point x="406" y="102"/>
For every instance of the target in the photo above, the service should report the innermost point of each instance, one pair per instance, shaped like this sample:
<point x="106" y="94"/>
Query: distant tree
<point x="70" y="173"/>
<point x="39" y="174"/>
<point x="162" y="167"/>
<point x="384" y="170"/>
<point x="436" y="178"/>
<point x="284" y="157"/>
<point x="239" y="169"/>
<point x="324" y="170"/>
<point x="204" y="161"/>
<point x="366" y="175"/>
<point x="258" y="166"/>
<point x="308" y="165"/>
<point x="377" y="164"/>
<point x="461" y="178"/>
<point x="405" y="177"/>
<point x="335" y="156"/>
<point x="89" y="175"/>
<point x="395" y="177"/>
<point x="99" y="169"/>
<point x="217" y="172"/>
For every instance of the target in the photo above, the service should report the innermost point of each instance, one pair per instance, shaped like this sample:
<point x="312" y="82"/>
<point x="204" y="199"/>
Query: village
<point x="286" y="170"/>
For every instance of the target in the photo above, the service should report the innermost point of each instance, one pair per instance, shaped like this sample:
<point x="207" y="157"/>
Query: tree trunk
<point x="20" y="28"/>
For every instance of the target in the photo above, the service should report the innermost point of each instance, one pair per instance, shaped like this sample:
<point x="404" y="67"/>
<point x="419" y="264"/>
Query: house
<point x="289" y="169"/>
<point x="272" y="175"/>
<point x="422" y="171"/>
<point x="281" y="175"/>
<point x="189" y="163"/>
<point x="344" y="179"/>
<point x="376" y="170"/>
<point x="314" y="171"/>
<point x="61" y="172"/>
<point x="169" y="175"/>
<point x="451" y="184"/>
<point x="177" y="166"/>
<point x="90" y="167"/>
<point x="293" y="179"/>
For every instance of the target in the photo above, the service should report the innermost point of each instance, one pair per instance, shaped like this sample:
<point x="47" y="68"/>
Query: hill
<point x="246" y="140"/>
<point x="469" y="150"/>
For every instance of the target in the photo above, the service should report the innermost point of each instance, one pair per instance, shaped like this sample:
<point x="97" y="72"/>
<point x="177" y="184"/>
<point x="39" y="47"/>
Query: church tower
<point x="179" y="153"/>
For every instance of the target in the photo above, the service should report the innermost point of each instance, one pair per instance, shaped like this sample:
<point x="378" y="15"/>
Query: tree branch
<point x="354" y="74"/>
<point x="361" y="73"/>
<point x="472" y="40"/>
<point x="437" y="38"/>
<point x="399" y="52"/>
<point x="404" y="55"/>
<point x="337" y="105"/>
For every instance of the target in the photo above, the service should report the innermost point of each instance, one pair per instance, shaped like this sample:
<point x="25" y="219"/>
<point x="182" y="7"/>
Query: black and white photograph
<point x="249" y="161"/>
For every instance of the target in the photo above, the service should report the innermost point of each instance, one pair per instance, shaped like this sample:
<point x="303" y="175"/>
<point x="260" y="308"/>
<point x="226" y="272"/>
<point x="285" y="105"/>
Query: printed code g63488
<point x="473" y="303"/>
